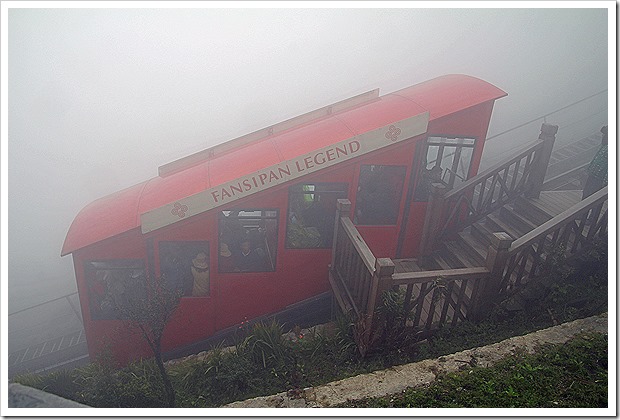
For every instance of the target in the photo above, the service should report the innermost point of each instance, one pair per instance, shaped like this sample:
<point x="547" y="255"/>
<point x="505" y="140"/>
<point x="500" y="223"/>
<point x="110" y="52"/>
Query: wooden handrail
<point x="358" y="242"/>
<point x="558" y="221"/>
<point x="553" y="183"/>
<point x="449" y="275"/>
<point x="534" y="146"/>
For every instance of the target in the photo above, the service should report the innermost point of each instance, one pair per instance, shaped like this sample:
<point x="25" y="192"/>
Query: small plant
<point x="555" y="266"/>
<point x="266" y="343"/>
<point x="344" y="338"/>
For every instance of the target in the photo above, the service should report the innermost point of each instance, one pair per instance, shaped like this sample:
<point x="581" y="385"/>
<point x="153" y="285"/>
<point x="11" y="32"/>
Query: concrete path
<point x="398" y="378"/>
<point x="26" y="397"/>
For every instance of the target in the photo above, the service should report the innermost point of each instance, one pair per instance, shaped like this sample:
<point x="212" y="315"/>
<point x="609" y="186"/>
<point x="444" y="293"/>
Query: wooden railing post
<point x="496" y="262"/>
<point x="537" y="177"/>
<point x="432" y="218"/>
<point x="381" y="282"/>
<point x="343" y="208"/>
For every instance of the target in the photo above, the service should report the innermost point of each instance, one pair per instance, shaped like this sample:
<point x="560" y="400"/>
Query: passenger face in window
<point x="248" y="240"/>
<point x="249" y="259"/>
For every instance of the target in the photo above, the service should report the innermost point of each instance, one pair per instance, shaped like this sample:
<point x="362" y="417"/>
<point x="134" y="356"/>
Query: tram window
<point x="311" y="214"/>
<point x="113" y="284"/>
<point x="447" y="160"/>
<point x="248" y="240"/>
<point x="379" y="194"/>
<point x="185" y="266"/>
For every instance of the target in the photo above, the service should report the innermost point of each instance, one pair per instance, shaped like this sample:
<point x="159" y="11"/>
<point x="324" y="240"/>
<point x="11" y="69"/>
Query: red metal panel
<point x="104" y="218"/>
<point x="305" y="139"/>
<point x="377" y="114"/>
<point x="451" y="93"/>
<point x="246" y="160"/>
<point x="162" y="190"/>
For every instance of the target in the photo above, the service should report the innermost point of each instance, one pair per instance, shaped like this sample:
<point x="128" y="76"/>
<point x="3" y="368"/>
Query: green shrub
<point x="266" y="344"/>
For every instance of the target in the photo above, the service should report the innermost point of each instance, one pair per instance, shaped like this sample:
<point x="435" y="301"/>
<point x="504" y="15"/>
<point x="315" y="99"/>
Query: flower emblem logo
<point x="179" y="210"/>
<point x="393" y="133"/>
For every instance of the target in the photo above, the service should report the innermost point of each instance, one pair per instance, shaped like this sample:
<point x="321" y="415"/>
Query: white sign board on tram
<point x="285" y="171"/>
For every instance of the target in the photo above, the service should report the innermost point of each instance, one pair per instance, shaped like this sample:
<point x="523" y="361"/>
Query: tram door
<point x="445" y="160"/>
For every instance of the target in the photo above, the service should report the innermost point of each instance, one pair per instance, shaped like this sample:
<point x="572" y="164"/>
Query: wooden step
<point x="406" y="265"/>
<point x="516" y="219"/>
<point x="497" y="224"/>
<point x="532" y="209"/>
<point x="457" y="252"/>
<point x="472" y="246"/>
<point x="537" y="210"/>
<point x="443" y="263"/>
<point x="482" y="232"/>
<point x="428" y="262"/>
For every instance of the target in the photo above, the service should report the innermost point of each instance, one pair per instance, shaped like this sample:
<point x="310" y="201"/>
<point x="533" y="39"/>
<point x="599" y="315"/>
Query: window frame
<point x="398" y="203"/>
<point x="198" y="245"/>
<point x="221" y="218"/>
<point x="344" y="192"/>
<point x="90" y="273"/>
<point x="443" y="141"/>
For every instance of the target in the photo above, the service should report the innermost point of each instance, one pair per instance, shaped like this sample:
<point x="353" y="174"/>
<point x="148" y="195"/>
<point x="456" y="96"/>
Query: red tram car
<point x="244" y="228"/>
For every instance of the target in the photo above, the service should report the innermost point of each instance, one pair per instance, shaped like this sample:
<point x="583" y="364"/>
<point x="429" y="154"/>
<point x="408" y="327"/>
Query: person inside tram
<point x="427" y="177"/>
<point x="200" y="273"/>
<point x="233" y="231"/>
<point x="226" y="261"/>
<point x="249" y="258"/>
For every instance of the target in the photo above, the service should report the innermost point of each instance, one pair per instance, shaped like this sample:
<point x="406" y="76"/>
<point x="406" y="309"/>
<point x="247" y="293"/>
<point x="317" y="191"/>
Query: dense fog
<point x="99" y="98"/>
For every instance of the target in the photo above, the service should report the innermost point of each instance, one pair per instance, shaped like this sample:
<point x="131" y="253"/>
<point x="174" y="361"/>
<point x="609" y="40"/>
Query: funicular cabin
<point x="245" y="228"/>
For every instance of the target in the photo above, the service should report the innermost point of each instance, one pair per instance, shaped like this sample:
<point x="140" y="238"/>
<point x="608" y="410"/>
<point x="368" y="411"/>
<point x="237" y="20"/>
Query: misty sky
<point x="99" y="98"/>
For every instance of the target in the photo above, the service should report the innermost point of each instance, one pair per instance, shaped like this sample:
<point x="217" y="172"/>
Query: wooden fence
<point x="437" y="298"/>
<point x="569" y="233"/>
<point x="432" y="298"/>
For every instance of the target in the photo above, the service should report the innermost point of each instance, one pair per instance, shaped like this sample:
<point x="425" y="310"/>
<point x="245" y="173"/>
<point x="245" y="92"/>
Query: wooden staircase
<point x="471" y="245"/>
